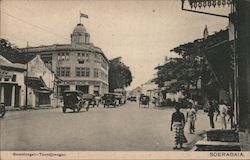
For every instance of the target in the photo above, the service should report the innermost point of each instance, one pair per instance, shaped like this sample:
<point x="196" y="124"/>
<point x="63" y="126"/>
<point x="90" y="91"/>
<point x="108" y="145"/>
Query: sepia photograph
<point x="124" y="79"/>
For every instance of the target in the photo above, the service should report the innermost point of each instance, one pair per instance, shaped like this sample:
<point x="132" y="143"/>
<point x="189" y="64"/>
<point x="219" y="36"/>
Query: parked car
<point x="73" y="100"/>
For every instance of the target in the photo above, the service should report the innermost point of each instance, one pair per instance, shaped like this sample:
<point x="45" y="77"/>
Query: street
<point x="126" y="128"/>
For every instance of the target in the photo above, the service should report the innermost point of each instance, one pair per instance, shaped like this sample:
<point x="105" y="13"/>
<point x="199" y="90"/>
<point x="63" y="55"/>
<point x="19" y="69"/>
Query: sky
<point x="141" y="32"/>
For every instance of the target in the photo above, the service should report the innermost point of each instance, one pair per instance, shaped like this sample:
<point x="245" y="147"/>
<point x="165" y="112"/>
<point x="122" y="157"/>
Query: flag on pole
<point x="84" y="15"/>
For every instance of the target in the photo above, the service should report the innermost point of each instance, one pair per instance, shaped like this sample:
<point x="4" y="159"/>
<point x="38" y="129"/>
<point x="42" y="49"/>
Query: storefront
<point x="12" y="87"/>
<point x="38" y="93"/>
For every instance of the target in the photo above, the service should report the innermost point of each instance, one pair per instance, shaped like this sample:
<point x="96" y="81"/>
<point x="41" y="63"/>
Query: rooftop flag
<point x="84" y="15"/>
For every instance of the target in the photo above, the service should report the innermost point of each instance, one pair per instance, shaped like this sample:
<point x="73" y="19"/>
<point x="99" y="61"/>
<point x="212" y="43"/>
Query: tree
<point x="199" y="62"/>
<point x="8" y="50"/>
<point x="12" y="53"/>
<point x="120" y="75"/>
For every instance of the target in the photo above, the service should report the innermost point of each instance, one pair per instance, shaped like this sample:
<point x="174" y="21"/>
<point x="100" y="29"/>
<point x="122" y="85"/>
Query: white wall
<point x="36" y="68"/>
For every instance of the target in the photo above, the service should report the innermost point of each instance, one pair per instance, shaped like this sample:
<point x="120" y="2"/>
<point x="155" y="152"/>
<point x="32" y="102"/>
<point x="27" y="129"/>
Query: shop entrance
<point x="7" y="95"/>
<point x="83" y="88"/>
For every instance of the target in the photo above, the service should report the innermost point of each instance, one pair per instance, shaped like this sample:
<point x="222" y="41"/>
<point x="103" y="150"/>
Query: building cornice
<point x="64" y="47"/>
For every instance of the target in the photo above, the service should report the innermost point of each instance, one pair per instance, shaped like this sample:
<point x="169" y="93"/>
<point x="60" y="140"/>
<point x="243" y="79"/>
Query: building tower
<point x="79" y="35"/>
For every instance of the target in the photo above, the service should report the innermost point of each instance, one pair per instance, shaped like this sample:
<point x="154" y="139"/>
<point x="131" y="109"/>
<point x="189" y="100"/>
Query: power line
<point x="34" y="25"/>
<point x="18" y="38"/>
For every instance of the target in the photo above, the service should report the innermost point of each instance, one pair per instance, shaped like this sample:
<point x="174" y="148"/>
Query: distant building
<point x="149" y="88"/>
<point x="80" y="65"/>
<point x="135" y="92"/>
<point x="12" y="85"/>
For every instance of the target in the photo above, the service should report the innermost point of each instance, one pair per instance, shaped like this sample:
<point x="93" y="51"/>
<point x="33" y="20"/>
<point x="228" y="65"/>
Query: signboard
<point x="5" y="74"/>
<point x="74" y="82"/>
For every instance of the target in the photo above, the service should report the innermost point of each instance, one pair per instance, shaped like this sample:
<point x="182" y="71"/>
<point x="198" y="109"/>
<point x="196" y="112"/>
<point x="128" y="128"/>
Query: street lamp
<point x="206" y="3"/>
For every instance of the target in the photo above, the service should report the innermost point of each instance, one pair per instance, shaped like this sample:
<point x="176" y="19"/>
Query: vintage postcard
<point x="124" y="79"/>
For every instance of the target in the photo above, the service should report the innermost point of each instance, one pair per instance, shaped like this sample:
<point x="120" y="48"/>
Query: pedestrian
<point x="221" y="115"/>
<point x="191" y="118"/>
<point x="230" y="113"/>
<point x="211" y="110"/>
<point x="178" y="123"/>
<point x="98" y="100"/>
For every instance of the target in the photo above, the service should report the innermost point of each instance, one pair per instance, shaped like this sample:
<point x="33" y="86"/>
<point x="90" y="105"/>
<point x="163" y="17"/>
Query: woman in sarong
<point x="178" y="123"/>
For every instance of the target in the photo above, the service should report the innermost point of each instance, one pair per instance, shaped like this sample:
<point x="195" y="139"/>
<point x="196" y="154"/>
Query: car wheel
<point x="2" y="112"/>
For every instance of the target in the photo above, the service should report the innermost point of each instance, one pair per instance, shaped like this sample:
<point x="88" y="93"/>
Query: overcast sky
<point x="141" y="32"/>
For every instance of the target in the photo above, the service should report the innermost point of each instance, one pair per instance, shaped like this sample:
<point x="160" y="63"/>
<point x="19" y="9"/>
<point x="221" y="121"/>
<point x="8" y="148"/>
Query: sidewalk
<point x="11" y="109"/>
<point x="201" y="125"/>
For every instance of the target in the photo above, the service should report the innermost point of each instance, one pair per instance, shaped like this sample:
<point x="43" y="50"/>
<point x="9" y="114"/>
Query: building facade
<point x="41" y="83"/>
<point x="80" y="65"/>
<point x="12" y="84"/>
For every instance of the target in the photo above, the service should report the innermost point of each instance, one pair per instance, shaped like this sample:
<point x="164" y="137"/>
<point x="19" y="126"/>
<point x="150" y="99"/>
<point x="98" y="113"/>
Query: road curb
<point x="20" y="109"/>
<point x="197" y="137"/>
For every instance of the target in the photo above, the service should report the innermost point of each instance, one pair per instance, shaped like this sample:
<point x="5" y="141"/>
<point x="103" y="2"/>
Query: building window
<point x="63" y="71"/>
<point x="96" y="73"/>
<point x="67" y="56"/>
<point x="82" y="58"/>
<point x="82" y="72"/>
<point x="63" y="56"/>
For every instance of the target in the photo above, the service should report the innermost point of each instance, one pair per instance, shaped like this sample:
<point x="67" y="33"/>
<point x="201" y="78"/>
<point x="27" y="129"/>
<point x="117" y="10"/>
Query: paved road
<point x="126" y="128"/>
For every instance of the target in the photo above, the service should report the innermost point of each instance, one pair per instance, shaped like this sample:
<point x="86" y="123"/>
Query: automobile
<point x="90" y="99"/>
<point x="110" y="99"/>
<point x="73" y="100"/>
<point x="2" y="110"/>
<point x="121" y="95"/>
<point x="133" y="98"/>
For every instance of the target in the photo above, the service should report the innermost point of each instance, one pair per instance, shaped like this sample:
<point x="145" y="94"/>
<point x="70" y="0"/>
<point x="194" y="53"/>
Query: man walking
<point x="178" y="123"/>
<point x="211" y="110"/>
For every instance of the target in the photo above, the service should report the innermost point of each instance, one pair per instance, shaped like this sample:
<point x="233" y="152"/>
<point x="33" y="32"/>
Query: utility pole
<point x="26" y="84"/>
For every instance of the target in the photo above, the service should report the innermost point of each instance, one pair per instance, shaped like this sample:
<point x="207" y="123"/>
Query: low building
<point x="150" y="89"/>
<point x="41" y="83"/>
<point x="12" y="84"/>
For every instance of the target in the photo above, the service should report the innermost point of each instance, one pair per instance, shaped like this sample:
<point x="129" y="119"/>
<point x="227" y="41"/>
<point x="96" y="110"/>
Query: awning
<point x="38" y="85"/>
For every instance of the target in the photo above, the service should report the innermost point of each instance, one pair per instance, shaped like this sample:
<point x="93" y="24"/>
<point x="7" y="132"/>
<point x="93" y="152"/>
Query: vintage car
<point x="133" y="98"/>
<point x="90" y="99"/>
<point x="110" y="99"/>
<point x="74" y="101"/>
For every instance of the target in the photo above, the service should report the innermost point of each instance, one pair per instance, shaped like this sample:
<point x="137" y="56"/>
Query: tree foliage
<point x="120" y="75"/>
<point x="196" y="63"/>
<point x="12" y="53"/>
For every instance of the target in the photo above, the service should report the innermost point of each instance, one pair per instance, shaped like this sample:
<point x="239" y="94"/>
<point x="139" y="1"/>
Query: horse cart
<point x="144" y="101"/>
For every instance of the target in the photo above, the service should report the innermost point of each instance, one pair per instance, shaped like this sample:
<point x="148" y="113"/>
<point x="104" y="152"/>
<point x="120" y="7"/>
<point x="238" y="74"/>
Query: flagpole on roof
<point x="80" y="17"/>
